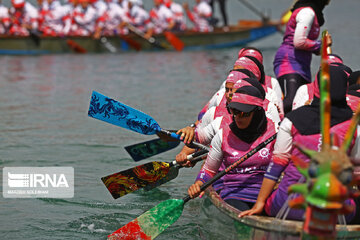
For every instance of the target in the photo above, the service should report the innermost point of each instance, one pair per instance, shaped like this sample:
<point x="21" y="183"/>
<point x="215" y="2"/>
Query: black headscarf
<point x="306" y="119"/>
<point x="316" y="5"/>
<point x="256" y="127"/>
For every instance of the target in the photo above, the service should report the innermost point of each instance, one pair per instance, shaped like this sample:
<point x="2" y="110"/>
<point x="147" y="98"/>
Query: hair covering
<point x="251" y="51"/>
<point x="306" y="119"/>
<point x="235" y="76"/>
<point x="248" y="63"/>
<point x="240" y="101"/>
<point x="317" y="5"/>
<point x="333" y="58"/>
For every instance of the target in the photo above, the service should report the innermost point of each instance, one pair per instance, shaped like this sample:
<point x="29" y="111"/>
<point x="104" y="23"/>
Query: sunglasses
<point x="239" y="113"/>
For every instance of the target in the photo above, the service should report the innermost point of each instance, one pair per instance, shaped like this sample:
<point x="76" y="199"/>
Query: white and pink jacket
<point x="244" y="182"/>
<point x="140" y="18"/>
<point x="161" y="17"/>
<point x="113" y="16"/>
<point x="28" y="16"/>
<point x="199" y="17"/>
<point x="84" y="21"/>
<point x="4" y="19"/>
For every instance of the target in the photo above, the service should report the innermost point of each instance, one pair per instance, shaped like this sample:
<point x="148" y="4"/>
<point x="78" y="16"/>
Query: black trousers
<point x="289" y="84"/>
<point x="241" y="205"/>
<point x="222" y="10"/>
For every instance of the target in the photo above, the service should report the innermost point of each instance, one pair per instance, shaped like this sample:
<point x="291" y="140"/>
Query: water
<point x="43" y="121"/>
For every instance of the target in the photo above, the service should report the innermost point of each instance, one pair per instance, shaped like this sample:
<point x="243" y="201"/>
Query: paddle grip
<point x="176" y="136"/>
<point x="196" y="154"/>
<point x="234" y="165"/>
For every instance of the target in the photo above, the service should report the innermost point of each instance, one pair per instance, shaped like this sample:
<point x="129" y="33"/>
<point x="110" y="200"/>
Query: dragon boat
<point x="245" y="32"/>
<point x="257" y="227"/>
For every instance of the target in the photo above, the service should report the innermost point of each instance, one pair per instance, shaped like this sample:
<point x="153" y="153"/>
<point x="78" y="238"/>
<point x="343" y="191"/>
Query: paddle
<point x="174" y="41"/>
<point x="75" y="46"/>
<point x="108" y="45"/>
<point x="151" y="40"/>
<point x="255" y="10"/>
<point x="132" y="43"/>
<point x="153" y="222"/>
<point x="148" y="176"/>
<point x="114" y="112"/>
<point x="150" y="148"/>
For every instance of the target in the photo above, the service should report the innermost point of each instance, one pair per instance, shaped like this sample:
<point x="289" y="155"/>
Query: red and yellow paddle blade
<point x="325" y="102"/>
<point x="151" y="223"/>
<point x="174" y="41"/>
<point x="75" y="46"/>
<point x="133" y="179"/>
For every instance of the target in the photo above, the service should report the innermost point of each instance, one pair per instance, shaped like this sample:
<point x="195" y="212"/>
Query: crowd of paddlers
<point x="251" y="106"/>
<point x="98" y="18"/>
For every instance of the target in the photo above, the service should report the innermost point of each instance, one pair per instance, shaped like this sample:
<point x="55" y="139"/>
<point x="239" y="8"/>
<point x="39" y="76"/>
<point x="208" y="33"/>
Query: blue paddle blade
<point x="150" y="148"/>
<point x="113" y="112"/>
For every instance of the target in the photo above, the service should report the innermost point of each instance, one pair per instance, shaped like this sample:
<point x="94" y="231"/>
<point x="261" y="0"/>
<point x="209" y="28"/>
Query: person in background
<point x="162" y="17"/>
<point x="23" y="18"/>
<point x="84" y="19"/>
<point x="178" y="12"/>
<point x="52" y="18"/>
<point x="293" y="58"/>
<point x="139" y="18"/>
<point x="200" y="15"/>
<point x="222" y="5"/>
<point x="303" y="127"/>
<point x="4" y="19"/>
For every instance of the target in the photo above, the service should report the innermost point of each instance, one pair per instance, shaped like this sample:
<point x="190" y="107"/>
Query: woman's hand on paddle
<point x="194" y="190"/>
<point x="187" y="134"/>
<point x="255" y="210"/>
<point x="328" y="39"/>
<point x="181" y="159"/>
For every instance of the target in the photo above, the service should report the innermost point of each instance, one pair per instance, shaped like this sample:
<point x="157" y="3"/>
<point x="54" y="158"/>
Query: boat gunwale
<point x="271" y="224"/>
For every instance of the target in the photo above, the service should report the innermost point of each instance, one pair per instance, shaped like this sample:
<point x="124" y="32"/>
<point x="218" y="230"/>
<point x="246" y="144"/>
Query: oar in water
<point x="143" y="150"/>
<point x="177" y="44"/>
<point x="132" y="43"/>
<point x="151" y="40"/>
<point x="148" y="176"/>
<point x="153" y="222"/>
<point x="114" y="112"/>
<point x="75" y="46"/>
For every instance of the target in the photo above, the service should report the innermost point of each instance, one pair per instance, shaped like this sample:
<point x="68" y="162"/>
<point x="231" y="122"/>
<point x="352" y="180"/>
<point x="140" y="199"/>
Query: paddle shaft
<point x="193" y="158"/>
<point x="151" y="40"/>
<point x="234" y="165"/>
<point x="176" y="136"/>
<point x="255" y="10"/>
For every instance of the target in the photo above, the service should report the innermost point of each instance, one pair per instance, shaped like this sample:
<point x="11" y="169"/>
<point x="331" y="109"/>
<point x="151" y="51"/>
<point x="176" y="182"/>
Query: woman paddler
<point x="271" y="85"/>
<point x="303" y="127"/>
<point x="249" y="128"/>
<point x="293" y="58"/>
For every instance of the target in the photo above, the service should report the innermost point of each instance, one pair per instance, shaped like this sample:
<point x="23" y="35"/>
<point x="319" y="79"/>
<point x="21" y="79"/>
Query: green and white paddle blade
<point x="151" y="223"/>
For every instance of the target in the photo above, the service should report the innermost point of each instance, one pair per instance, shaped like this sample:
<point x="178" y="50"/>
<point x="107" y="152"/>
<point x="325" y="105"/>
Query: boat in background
<point x="257" y="227"/>
<point x="245" y="32"/>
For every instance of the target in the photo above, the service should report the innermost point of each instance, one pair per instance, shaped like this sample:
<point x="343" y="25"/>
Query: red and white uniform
<point x="4" y="19"/>
<point x="274" y="94"/>
<point x="84" y="21"/>
<point x="100" y="7"/>
<point x="178" y="12"/>
<point x="68" y="10"/>
<point x="199" y="16"/>
<point x="304" y="95"/>
<point x="140" y="18"/>
<point x="111" y="19"/>
<point x="19" y="18"/>
<point x="52" y="19"/>
<point x="161" y="17"/>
